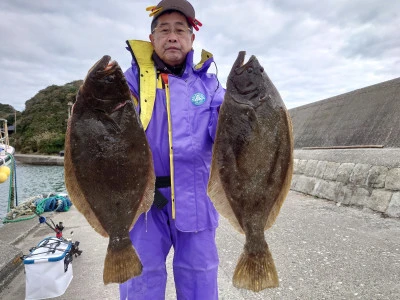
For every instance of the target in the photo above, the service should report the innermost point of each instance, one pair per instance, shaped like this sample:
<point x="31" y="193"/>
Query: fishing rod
<point x="56" y="228"/>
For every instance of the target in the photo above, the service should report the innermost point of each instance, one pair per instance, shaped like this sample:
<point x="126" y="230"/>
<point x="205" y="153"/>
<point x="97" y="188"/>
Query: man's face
<point x="172" y="39"/>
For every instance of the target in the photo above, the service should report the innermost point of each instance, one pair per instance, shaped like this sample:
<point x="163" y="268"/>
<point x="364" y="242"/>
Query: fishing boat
<point x="6" y="151"/>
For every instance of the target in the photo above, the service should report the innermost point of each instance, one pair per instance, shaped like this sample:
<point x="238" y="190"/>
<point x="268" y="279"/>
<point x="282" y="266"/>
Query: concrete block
<point x="360" y="196"/>
<point x="393" y="180"/>
<point x="376" y="176"/>
<point x="301" y="168"/>
<point x="379" y="200"/>
<point x="311" y="167"/>
<point x="9" y="254"/>
<point x="331" y="171"/>
<point x="393" y="209"/>
<point x="345" y="193"/>
<point x="344" y="172"/>
<point x="294" y="181"/>
<point x="326" y="189"/>
<point x="320" y="169"/>
<point x="359" y="175"/>
<point x="305" y="184"/>
<point x="295" y="165"/>
<point x="317" y="187"/>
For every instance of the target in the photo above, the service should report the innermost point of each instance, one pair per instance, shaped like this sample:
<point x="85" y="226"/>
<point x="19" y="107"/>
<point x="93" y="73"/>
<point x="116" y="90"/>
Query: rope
<point x="15" y="180"/>
<point x="55" y="203"/>
<point x="39" y="205"/>
<point x="18" y="220"/>
<point x="22" y="212"/>
<point x="12" y="194"/>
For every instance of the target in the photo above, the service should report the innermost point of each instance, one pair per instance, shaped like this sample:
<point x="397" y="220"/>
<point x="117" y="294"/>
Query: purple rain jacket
<point x="195" y="98"/>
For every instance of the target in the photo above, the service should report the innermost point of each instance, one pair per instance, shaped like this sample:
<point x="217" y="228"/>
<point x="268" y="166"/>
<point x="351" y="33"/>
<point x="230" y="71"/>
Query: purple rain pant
<point x="195" y="262"/>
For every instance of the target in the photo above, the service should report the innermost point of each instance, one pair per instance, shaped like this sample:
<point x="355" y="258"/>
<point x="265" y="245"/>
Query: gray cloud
<point x="311" y="50"/>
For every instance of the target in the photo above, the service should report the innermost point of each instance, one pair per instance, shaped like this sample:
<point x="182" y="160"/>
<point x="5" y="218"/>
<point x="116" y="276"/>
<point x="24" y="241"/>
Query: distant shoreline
<point x="35" y="159"/>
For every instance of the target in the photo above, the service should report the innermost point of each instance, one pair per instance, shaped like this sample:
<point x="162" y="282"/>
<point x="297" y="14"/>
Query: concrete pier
<point x="34" y="159"/>
<point x="321" y="251"/>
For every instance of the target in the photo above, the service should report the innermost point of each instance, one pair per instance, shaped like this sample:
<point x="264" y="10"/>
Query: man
<point x="178" y="106"/>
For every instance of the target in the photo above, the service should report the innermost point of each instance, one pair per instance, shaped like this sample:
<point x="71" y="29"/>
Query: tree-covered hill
<point x="41" y="126"/>
<point x="8" y="112"/>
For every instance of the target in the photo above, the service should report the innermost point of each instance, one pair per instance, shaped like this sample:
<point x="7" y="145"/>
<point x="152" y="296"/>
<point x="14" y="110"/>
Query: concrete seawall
<point x="367" y="116"/>
<point x="353" y="148"/>
<point x="39" y="159"/>
<point x="367" y="178"/>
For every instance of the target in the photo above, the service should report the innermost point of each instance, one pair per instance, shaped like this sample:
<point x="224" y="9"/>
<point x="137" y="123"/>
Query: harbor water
<point x="32" y="180"/>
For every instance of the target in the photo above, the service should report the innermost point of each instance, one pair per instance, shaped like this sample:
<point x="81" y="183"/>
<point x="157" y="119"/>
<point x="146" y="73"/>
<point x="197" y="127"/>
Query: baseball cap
<point x="182" y="6"/>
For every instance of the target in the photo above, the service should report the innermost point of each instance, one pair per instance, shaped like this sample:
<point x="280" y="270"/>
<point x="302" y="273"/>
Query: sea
<point x="32" y="180"/>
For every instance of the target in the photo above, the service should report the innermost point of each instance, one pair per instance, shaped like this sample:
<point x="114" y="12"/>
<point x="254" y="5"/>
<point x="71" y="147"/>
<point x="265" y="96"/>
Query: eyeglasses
<point x="165" y="31"/>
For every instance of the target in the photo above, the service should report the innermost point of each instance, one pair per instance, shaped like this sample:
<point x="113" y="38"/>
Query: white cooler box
<point x="48" y="269"/>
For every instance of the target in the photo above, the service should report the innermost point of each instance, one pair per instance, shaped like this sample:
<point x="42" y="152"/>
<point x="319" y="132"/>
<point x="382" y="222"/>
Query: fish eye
<point x="261" y="69"/>
<point x="109" y="78"/>
<point x="250" y="70"/>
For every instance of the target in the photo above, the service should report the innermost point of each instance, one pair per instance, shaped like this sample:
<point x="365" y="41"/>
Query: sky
<point x="311" y="50"/>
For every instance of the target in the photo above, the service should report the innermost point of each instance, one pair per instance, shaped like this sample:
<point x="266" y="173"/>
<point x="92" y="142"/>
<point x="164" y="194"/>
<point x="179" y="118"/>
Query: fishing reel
<point x="56" y="228"/>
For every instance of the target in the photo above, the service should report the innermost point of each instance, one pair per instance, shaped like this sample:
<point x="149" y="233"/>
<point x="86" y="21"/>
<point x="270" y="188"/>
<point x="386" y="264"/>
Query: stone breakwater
<point x="33" y="159"/>
<point x="364" y="178"/>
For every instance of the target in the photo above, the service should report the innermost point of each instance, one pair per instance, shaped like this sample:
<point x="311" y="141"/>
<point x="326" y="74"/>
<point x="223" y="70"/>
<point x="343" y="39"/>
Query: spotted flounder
<point x="109" y="172"/>
<point x="252" y="166"/>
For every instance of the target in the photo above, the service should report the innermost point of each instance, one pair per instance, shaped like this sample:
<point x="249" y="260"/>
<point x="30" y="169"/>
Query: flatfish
<point x="109" y="172"/>
<point x="252" y="166"/>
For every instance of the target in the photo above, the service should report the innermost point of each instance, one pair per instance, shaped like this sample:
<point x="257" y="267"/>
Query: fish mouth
<point x="107" y="66"/>
<point x="239" y="66"/>
<point x="104" y="67"/>
<point x="235" y="81"/>
<point x="102" y="82"/>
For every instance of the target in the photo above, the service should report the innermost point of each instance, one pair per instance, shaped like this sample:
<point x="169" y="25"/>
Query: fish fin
<point x="148" y="195"/>
<point x="121" y="264"/>
<point x="217" y="195"/>
<point x="288" y="179"/>
<point x="256" y="272"/>
<point x="75" y="193"/>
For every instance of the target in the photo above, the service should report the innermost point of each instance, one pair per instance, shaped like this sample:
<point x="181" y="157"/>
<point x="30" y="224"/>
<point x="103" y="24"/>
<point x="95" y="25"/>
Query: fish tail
<point x="121" y="264"/>
<point x="256" y="271"/>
